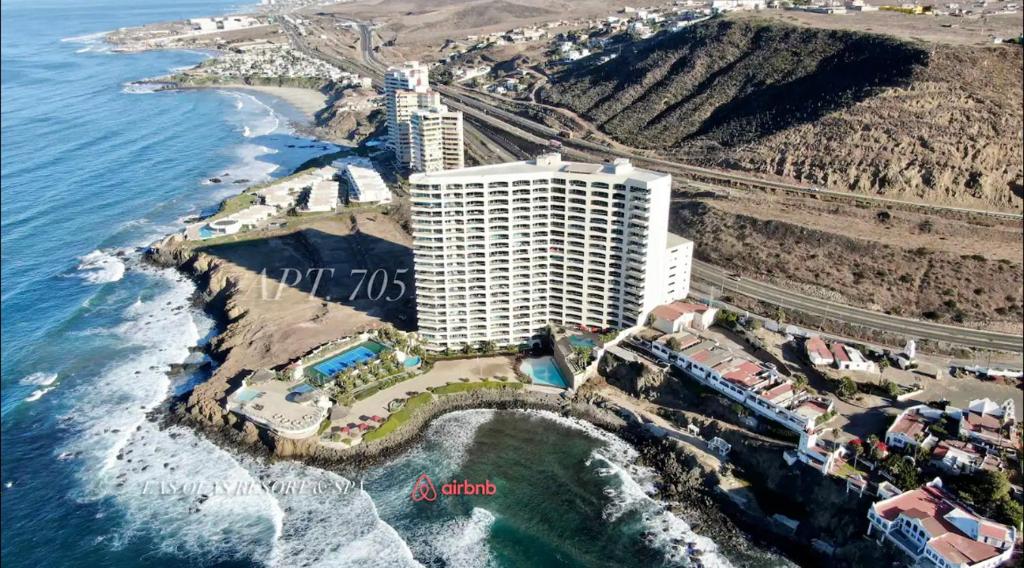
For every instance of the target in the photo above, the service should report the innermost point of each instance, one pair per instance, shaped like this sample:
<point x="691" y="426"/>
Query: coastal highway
<point x="713" y="279"/>
<point x="475" y="105"/>
<point x="472" y="103"/>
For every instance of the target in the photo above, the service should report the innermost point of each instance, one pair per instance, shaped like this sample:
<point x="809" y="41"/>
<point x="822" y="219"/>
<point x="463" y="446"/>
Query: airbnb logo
<point x="424" y="490"/>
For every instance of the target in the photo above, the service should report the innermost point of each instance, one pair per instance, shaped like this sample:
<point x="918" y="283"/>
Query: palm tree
<point x="858" y="450"/>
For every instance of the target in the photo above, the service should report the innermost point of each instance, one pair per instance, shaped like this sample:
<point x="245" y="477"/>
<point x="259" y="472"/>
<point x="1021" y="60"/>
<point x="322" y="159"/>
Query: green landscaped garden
<point x="846" y="470"/>
<point x="465" y="387"/>
<point x="398" y="418"/>
<point x="395" y="421"/>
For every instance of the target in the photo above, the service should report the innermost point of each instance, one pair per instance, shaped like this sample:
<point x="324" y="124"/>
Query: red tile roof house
<point x="670" y="318"/>
<point x="910" y="429"/>
<point x="931" y="527"/>
<point x="989" y="424"/>
<point x="817" y="352"/>
<point x="957" y="457"/>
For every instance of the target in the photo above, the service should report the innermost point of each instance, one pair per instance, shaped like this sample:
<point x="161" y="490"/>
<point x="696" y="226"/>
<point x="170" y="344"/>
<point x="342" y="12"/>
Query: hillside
<point x="845" y="109"/>
<point x="876" y="259"/>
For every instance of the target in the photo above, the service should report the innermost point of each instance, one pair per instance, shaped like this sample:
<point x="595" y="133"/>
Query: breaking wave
<point x="38" y="394"/>
<point x="632" y="491"/>
<point x="101" y="267"/>
<point x="127" y="458"/>
<point x="40" y="379"/>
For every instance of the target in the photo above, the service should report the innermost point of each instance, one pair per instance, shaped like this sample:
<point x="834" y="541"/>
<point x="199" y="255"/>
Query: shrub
<point x="847" y="387"/>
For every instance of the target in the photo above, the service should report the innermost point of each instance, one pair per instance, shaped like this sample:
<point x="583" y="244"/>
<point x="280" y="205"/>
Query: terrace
<point x="293" y="409"/>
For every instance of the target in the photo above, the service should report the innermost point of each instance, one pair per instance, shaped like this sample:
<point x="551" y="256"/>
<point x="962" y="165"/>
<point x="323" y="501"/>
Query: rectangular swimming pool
<point x="364" y="352"/>
<point x="580" y="341"/>
<point x="544" y="371"/>
<point x="247" y="395"/>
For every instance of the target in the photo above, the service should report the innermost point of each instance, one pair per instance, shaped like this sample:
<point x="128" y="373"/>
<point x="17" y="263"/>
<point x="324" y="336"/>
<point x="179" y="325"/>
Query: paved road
<point x="718" y="278"/>
<point x="474" y="105"/>
<point x="471" y="103"/>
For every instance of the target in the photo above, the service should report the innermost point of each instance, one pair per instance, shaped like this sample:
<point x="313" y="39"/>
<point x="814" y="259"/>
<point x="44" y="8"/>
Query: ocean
<point x="92" y="171"/>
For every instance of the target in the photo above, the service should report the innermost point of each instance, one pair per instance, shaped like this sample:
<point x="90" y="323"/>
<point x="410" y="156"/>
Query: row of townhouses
<point x="756" y="385"/>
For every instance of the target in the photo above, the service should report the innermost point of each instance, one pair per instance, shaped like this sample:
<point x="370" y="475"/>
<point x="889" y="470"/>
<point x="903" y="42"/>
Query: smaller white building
<point x="365" y="185"/>
<point x="253" y="216"/>
<point x="278" y="197"/>
<point x="323" y="196"/>
<point x="679" y="263"/>
<point x="817" y="352"/>
<point x="910" y="429"/>
<point x="674" y="317"/>
<point x="849" y="359"/>
<point x="223" y="23"/>
<point x="730" y="5"/>
<point x="226" y="226"/>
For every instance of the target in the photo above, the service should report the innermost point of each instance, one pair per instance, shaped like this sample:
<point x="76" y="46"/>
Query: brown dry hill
<point x="850" y="110"/>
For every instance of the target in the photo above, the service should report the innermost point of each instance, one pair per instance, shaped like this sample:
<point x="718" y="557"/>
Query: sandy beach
<point x="307" y="101"/>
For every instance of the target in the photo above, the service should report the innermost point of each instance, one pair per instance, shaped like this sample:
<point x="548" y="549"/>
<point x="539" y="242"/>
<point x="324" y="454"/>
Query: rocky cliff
<point x="845" y="109"/>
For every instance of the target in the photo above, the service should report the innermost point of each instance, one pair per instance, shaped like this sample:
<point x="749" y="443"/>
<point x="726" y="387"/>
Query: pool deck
<point x="288" y="418"/>
<point x="442" y="373"/>
<point x="366" y="354"/>
<point x="547" y="361"/>
<point x="339" y="347"/>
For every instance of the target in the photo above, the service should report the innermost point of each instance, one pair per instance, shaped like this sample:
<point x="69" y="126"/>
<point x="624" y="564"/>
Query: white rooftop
<point x="367" y="185"/>
<point x="254" y="214"/>
<point x="544" y="164"/>
<point x="675" y="240"/>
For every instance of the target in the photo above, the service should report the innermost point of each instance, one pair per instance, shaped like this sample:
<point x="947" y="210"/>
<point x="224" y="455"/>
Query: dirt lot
<point x="419" y="27"/>
<point x="278" y="310"/>
<point x="942" y="29"/>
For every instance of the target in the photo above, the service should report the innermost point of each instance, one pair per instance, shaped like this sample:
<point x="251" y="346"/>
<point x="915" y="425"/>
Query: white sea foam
<point x="40" y="379"/>
<point x="621" y="449"/>
<point x="38" y="394"/>
<point x="100" y="267"/>
<point x="129" y="460"/>
<point x="454" y="434"/>
<point x="141" y="88"/>
<point x="630" y="493"/>
<point x="86" y="38"/>
<point x="257" y="118"/>
<point x="124" y="457"/>
<point x="460" y="542"/>
<point x="92" y="43"/>
<point x="633" y="491"/>
<point x="341" y="529"/>
<point x="248" y="165"/>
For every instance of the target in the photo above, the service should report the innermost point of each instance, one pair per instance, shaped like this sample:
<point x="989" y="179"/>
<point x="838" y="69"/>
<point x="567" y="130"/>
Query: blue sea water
<point x="91" y="171"/>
